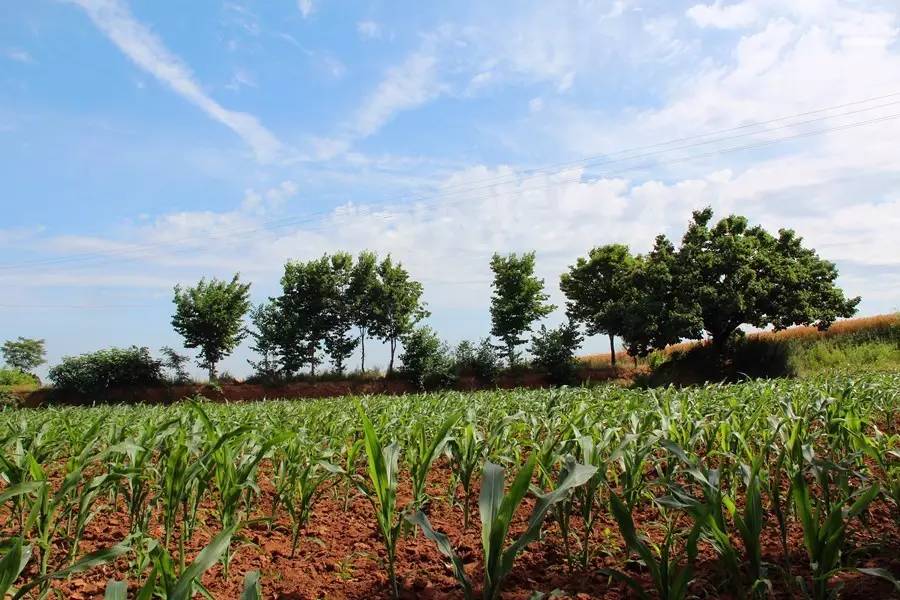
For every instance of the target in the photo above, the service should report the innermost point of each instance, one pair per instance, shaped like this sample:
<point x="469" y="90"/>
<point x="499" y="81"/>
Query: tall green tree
<point x="265" y="334"/>
<point x="656" y="312"/>
<point x="209" y="316"/>
<point x="598" y="289"/>
<point x="734" y="274"/>
<point x="518" y="300"/>
<point x="304" y="305"/>
<point x="24" y="354"/>
<point x="340" y="311"/>
<point x="398" y="305"/>
<point x="363" y="295"/>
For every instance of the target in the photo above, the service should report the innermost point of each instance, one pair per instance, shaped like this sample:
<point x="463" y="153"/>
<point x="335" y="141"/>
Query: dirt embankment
<point x="248" y="392"/>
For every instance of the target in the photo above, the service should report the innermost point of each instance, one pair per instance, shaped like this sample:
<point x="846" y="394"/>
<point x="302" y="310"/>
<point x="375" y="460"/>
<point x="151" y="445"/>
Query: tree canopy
<point x="209" y="316"/>
<point x="598" y="291"/>
<point x="398" y="305"/>
<point x="518" y="300"/>
<point x="24" y="354"/>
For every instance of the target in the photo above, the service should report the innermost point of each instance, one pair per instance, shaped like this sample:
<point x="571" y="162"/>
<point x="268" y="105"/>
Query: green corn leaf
<point x="252" y="589"/>
<point x="12" y="564"/>
<point x="116" y="590"/>
<point x="183" y="589"/>
<point x="20" y="489"/>
<point x="443" y="545"/>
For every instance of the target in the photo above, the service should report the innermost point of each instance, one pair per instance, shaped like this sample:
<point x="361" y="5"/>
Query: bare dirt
<point x="340" y="554"/>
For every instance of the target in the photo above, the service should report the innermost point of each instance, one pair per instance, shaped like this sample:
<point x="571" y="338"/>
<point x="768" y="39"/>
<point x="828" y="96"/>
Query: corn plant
<point x="669" y="578"/>
<point x="16" y="555"/>
<point x="382" y="470"/>
<point x="465" y="451"/>
<point x="824" y="519"/>
<point x="497" y="510"/>
<point x="300" y="478"/>
<point x="421" y="454"/>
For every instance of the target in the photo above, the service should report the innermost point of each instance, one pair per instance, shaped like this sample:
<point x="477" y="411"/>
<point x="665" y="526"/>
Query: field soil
<point x="340" y="554"/>
<point x="247" y="392"/>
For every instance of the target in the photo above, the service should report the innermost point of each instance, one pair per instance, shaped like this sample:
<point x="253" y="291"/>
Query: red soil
<point x="340" y="554"/>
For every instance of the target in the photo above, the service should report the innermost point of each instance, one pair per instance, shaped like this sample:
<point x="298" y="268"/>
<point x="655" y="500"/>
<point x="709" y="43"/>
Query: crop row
<point x="716" y="465"/>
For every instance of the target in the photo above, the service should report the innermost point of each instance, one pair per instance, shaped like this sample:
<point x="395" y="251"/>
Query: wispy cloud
<point x="148" y="52"/>
<point x="19" y="55"/>
<point x="306" y="7"/>
<point x="406" y="86"/>
<point x="369" y="29"/>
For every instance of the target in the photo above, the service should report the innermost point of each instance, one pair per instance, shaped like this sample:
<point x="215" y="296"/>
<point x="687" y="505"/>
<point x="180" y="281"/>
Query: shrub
<point x="554" y="352"/>
<point x="104" y="369"/>
<point x="426" y="360"/>
<point x="175" y="363"/>
<point x="482" y="360"/>
<point x="17" y="377"/>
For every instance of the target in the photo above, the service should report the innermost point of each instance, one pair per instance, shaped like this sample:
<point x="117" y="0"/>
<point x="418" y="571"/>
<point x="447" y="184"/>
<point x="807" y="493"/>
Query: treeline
<point x="719" y="278"/>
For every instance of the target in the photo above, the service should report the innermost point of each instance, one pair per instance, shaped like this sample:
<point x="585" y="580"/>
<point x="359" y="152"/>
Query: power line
<point x="299" y="219"/>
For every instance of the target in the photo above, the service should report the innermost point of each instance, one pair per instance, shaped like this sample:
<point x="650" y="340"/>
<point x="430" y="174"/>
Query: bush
<point x="482" y="360"/>
<point x="10" y="377"/>
<point x="554" y="352"/>
<point x="105" y="369"/>
<point x="426" y="360"/>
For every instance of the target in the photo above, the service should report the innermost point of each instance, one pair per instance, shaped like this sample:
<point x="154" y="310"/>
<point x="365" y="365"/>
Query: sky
<point x="146" y="143"/>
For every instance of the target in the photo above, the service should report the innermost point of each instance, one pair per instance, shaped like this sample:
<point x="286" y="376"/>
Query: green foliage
<point x="497" y="510"/>
<point x="364" y="289"/>
<point x="24" y="354"/>
<point x="517" y="302"/>
<point x="554" y="351"/>
<point x="599" y="289"/>
<point x="15" y="377"/>
<point x="657" y="314"/>
<point x="175" y="363"/>
<point x="209" y="316"/>
<point x="426" y="360"/>
<point x="734" y="274"/>
<point x="397" y="307"/>
<point x="266" y="339"/>
<point x="383" y="477"/>
<point x="104" y="369"/>
<point x="480" y="360"/>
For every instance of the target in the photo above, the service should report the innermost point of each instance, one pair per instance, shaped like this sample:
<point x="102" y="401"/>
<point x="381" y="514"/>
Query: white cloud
<point x="725" y="16"/>
<point x="536" y="104"/>
<point x="19" y="55"/>
<point x="306" y="7"/>
<point x="239" y="79"/>
<point x="406" y="86"/>
<point x="369" y="29"/>
<point x="147" y="51"/>
<point x="273" y="199"/>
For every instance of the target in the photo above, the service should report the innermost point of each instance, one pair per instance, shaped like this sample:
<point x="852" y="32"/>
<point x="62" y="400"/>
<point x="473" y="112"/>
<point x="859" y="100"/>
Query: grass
<point x="870" y="344"/>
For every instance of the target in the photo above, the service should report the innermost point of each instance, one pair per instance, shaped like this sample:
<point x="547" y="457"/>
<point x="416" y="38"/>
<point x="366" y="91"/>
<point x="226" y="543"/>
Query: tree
<point x="304" y="305"/>
<point x="426" y="360"/>
<point x="363" y="294"/>
<point x="266" y="320"/>
<point x="518" y="300"/>
<point x="398" y="306"/>
<point x="734" y="274"/>
<point x="554" y="351"/>
<point x="339" y="312"/>
<point x="24" y="354"/>
<point x="175" y="362"/>
<point x="597" y="289"/>
<point x="655" y="312"/>
<point x="209" y="316"/>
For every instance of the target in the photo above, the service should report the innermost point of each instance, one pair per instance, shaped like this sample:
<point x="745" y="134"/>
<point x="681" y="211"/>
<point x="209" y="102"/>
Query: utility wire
<point x="423" y="200"/>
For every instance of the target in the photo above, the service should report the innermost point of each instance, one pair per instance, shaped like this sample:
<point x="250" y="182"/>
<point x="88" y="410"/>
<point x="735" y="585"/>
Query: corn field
<point x="762" y="489"/>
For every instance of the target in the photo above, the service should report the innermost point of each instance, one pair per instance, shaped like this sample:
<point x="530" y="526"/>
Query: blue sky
<point x="144" y="144"/>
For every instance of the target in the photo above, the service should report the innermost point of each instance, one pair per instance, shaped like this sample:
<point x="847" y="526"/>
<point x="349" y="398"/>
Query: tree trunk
<point x="212" y="372"/>
<point x="362" y="347"/>
<point x="612" y="350"/>
<point x="511" y="353"/>
<point x="393" y="348"/>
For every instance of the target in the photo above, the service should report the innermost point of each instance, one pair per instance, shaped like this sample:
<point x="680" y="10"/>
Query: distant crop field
<point x="762" y="488"/>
